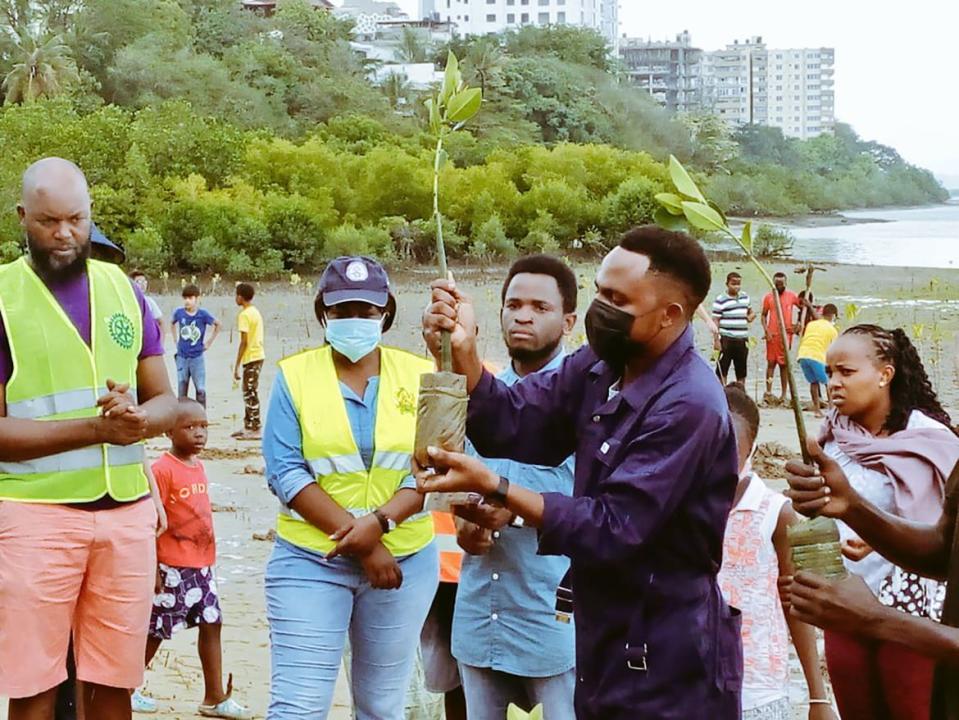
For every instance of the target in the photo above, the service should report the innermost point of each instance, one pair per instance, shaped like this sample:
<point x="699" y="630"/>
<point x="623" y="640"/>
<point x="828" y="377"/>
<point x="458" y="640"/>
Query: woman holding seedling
<point x="890" y="440"/>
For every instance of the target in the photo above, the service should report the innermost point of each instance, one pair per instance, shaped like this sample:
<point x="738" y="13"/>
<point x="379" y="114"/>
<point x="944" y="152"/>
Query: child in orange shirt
<point x="186" y="553"/>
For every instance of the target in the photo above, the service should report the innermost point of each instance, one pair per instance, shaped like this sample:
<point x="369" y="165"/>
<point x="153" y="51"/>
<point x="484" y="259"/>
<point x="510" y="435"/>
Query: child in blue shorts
<point x="817" y="338"/>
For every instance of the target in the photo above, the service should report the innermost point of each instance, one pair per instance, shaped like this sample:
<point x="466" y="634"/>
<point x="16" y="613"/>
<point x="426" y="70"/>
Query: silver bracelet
<point x="819" y="701"/>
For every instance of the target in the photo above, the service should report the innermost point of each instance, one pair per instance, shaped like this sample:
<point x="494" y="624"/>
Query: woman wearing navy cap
<point x="354" y="551"/>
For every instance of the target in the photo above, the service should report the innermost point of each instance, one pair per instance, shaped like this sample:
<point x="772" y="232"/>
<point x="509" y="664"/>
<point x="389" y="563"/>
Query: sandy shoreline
<point x="827" y="219"/>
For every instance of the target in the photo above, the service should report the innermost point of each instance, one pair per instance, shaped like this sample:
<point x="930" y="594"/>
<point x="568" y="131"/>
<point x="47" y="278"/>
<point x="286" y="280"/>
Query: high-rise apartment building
<point x="669" y="70"/>
<point x="744" y="83"/>
<point x="792" y="89"/>
<point x="734" y="82"/>
<point x="481" y="17"/>
<point x="800" y="91"/>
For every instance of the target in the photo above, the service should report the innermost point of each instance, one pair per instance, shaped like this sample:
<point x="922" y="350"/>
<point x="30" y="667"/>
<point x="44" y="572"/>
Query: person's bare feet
<point x="249" y="435"/>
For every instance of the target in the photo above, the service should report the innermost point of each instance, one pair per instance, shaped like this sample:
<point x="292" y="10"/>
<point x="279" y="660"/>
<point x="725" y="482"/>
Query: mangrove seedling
<point x="441" y="406"/>
<point x="689" y="207"/>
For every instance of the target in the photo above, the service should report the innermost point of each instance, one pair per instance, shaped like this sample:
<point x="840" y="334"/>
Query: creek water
<point x="912" y="237"/>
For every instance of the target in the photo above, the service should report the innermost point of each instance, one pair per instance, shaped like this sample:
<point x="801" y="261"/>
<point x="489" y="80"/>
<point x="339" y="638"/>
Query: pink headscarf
<point x="917" y="460"/>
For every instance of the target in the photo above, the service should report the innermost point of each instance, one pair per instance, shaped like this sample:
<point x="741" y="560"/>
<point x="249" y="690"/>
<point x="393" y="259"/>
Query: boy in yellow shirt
<point x="249" y="357"/>
<point x="819" y="335"/>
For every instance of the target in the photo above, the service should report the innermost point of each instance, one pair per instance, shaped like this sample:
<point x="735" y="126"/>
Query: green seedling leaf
<point x="683" y="182"/>
<point x="464" y="105"/>
<point x="673" y="203"/>
<point x="435" y="123"/>
<point x="668" y="221"/>
<point x="747" y="239"/>
<point x="718" y="209"/>
<point x="703" y="217"/>
<point x="451" y="79"/>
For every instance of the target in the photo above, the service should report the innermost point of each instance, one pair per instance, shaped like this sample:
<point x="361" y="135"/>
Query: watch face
<point x="391" y="524"/>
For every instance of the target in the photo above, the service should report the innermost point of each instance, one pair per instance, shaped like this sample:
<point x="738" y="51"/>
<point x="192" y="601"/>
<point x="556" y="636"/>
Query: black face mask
<point x="607" y="330"/>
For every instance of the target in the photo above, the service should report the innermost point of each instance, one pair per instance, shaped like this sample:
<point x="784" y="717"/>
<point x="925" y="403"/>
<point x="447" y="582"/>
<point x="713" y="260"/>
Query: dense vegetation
<point x="218" y="140"/>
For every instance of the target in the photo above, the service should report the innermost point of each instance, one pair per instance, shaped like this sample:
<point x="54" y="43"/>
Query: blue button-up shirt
<point x="655" y="477"/>
<point x="505" y="603"/>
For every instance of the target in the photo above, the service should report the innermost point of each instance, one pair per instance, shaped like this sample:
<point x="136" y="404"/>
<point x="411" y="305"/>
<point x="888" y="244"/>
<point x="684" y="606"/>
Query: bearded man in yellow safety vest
<point x="82" y="385"/>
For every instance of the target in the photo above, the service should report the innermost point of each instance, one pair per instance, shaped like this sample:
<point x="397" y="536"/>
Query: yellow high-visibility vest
<point x="332" y="453"/>
<point x="57" y="376"/>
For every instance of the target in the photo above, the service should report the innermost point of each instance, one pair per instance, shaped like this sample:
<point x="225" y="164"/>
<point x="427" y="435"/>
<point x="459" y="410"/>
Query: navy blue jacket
<point x="656" y="471"/>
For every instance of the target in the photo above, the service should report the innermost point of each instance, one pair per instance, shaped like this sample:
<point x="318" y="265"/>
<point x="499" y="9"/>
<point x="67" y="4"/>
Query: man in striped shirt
<point x="732" y="314"/>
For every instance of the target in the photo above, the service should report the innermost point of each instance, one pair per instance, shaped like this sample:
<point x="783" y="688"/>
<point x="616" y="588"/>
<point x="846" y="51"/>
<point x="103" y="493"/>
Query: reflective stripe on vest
<point x="332" y="454"/>
<point x="451" y="554"/>
<point x="82" y="459"/>
<point x="355" y="512"/>
<point x="354" y="463"/>
<point x="56" y="403"/>
<point x="58" y="376"/>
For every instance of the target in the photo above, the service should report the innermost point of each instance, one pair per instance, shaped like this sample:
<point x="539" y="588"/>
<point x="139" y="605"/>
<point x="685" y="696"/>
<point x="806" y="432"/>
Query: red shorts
<point x="775" y="352"/>
<point x="64" y="569"/>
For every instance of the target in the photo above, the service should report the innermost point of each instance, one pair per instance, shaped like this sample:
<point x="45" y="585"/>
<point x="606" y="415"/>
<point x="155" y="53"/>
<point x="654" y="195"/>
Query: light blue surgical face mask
<point x="354" y="338"/>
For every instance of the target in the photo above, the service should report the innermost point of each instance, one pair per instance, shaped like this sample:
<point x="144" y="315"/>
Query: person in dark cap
<point x="338" y="444"/>
<point x="104" y="249"/>
<point x="82" y="386"/>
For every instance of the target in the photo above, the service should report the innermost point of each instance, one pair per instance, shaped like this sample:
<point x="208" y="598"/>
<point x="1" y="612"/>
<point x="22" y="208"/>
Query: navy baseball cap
<point x="104" y="248"/>
<point x="354" y="279"/>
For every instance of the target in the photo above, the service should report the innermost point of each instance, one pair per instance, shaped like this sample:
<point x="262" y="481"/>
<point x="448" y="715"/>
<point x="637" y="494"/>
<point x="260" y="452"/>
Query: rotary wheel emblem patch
<point x="121" y="330"/>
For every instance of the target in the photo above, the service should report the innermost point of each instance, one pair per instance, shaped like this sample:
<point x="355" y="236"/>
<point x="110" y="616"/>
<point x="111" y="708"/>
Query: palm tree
<point x="485" y="60"/>
<point x="397" y="89"/>
<point x="412" y="49"/>
<point x="41" y="68"/>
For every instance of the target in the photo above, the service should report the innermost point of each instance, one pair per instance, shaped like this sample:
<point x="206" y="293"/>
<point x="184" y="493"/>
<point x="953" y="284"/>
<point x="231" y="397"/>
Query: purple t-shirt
<point x="74" y="297"/>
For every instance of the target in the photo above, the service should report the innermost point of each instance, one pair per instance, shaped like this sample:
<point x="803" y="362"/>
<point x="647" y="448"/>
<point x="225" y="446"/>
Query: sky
<point x="897" y="63"/>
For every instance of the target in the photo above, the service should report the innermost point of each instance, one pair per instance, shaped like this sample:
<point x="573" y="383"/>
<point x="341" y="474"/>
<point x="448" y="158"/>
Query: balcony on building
<point x="268" y="7"/>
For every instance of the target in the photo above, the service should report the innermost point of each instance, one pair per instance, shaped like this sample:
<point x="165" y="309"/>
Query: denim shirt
<point x="505" y="617"/>
<point x="287" y="471"/>
<point x="655" y="477"/>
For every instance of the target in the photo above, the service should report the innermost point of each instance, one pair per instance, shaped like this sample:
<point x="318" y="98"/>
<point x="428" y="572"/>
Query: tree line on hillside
<point x="217" y="139"/>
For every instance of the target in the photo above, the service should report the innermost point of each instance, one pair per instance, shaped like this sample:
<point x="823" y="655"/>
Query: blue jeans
<point x="489" y="692"/>
<point x="191" y="368"/>
<point x="312" y="604"/>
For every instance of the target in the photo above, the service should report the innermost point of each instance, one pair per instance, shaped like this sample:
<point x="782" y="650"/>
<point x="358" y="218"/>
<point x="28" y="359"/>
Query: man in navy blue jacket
<point x="655" y="476"/>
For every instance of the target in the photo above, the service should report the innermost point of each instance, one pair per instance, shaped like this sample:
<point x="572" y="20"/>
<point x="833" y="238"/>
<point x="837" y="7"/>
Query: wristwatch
<point x="517" y="521"/>
<point x="498" y="497"/>
<point x="387" y="524"/>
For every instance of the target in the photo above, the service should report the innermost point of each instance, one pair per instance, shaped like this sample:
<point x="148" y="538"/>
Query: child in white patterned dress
<point x="755" y="555"/>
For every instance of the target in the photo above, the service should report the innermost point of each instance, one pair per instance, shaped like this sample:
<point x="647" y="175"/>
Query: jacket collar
<point x="638" y="392"/>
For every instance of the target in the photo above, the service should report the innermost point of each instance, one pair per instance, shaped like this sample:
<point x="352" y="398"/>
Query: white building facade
<point x="792" y="89"/>
<point x="482" y="17"/>
<point x="801" y="94"/>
